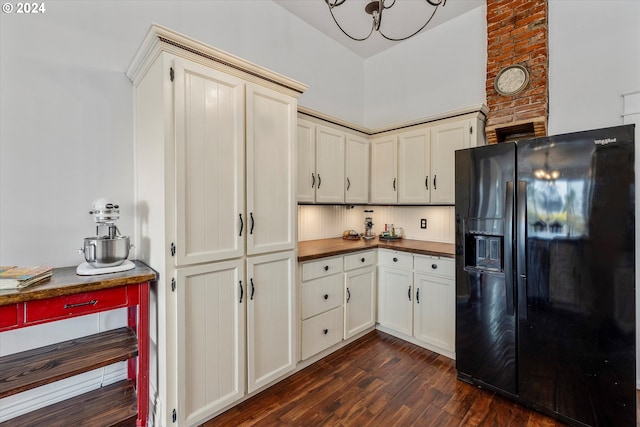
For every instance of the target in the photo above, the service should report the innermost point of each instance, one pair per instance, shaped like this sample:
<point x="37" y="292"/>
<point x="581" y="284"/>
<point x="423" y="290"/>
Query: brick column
<point x="517" y="34"/>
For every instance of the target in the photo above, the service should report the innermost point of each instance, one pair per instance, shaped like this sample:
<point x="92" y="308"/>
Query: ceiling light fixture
<point x="546" y="173"/>
<point x="375" y="9"/>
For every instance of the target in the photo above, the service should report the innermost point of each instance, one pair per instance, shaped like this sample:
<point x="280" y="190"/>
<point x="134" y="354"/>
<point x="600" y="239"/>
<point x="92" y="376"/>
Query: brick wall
<point x="517" y="34"/>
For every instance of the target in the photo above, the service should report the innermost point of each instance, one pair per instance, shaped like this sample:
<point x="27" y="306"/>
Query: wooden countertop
<point x="315" y="249"/>
<point x="65" y="281"/>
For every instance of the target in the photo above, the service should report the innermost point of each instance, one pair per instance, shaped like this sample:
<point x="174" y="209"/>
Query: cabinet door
<point x="445" y="140"/>
<point x="384" y="167"/>
<point x="210" y="333"/>
<point x="306" y="164"/>
<point x="360" y="301"/>
<point x="356" y="187"/>
<point x="271" y="150"/>
<point x="329" y="165"/>
<point x="434" y="311"/>
<point x="209" y="138"/>
<point x="395" y="299"/>
<point x="270" y="318"/>
<point x="413" y="167"/>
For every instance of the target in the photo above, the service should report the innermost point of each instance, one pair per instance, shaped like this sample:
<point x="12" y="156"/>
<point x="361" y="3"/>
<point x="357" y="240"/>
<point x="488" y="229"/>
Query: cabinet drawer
<point x="321" y="268"/>
<point x="8" y="316"/>
<point x="75" y="305"/>
<point x="321" y="294"/>
<point x="444" y="267"/>
<point x="395" y="259"/>
<point x="321" y="332"/>
<point x="359" y="259"/>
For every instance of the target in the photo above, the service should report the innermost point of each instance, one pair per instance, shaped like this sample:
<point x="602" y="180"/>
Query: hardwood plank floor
<point x="379" y="380"/>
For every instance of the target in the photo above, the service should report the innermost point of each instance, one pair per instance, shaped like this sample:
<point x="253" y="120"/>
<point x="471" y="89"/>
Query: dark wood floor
<point x="379" y="381"/>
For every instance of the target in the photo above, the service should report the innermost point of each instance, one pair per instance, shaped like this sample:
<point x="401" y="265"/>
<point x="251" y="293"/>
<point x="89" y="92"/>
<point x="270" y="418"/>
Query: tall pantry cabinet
<point x="215" y="216"/>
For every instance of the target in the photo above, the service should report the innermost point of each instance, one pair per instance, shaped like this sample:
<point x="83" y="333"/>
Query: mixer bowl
<point x="101" y="252"/>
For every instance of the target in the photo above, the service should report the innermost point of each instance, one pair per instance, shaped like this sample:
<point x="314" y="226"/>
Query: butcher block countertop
<point x="314" y="249"/>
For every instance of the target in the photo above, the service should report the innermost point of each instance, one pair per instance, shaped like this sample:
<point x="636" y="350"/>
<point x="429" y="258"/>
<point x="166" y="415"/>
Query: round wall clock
<point x="511" y="80"/>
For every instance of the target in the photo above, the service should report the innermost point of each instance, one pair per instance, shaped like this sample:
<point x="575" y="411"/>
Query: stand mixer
<point x="107" y="253"/>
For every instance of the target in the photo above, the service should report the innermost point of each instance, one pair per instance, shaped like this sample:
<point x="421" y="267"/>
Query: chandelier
<point x="375" y="9"/>
<point x="546" y="173"/>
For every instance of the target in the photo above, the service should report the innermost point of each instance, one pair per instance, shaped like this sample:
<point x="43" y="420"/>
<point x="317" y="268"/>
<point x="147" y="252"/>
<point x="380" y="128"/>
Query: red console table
<point x="68" y="295"/>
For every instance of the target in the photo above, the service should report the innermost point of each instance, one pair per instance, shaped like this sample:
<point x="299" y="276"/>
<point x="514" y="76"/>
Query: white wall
<point x="594" y="58"/>
<point x="438" y="71"/>
<point x="66" y="112"/>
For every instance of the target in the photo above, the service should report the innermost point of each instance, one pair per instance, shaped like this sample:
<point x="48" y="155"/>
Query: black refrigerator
<point x="545" y="273"/>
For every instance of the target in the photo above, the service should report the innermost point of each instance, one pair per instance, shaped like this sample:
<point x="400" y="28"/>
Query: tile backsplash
<point x="326" y="221"/>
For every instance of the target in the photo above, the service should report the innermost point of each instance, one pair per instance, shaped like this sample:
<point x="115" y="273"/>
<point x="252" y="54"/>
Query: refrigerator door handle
<point x="508" y="242"/>
<point x="520" y="247"/>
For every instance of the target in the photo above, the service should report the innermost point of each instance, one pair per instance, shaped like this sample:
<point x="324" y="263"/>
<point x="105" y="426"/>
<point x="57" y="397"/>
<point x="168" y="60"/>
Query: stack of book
<point x="17" y="277"/>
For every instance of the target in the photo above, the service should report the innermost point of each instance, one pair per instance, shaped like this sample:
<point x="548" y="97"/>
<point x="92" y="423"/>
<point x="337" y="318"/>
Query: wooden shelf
<point x="112" y="405"/>
<point x="29" y="369"/>
<point x="66" y="295"/>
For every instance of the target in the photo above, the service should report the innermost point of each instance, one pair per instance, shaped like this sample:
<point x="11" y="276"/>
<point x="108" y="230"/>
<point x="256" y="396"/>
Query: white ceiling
<point x="404" y="18"/>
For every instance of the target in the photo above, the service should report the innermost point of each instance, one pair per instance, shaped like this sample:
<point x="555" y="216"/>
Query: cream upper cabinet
<point x="332" y="165"/>
<point x="271" y="208"/>
<point x="209" y="150"/>
<point x="211" y="337"/>
<point x="425" y="161"/>
<point x="414" y="165"/>
<point x="384" y="170"/>
<point x="306" y="162"/>
<point x="320" y="163"/>
<point x="329" y="165"/>
<point x="271" y="330"/>
<point x="411" y="166"/>
<point x="357" y="158"/>
<point x="445" y="140"/>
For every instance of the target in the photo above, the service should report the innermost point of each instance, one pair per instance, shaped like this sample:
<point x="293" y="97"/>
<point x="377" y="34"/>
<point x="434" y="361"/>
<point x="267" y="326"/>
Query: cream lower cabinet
<point x="416" y="299"/>
<point x="211" y="339"/>
<point x="395" y="291"/>
<point x="434" y="303"/>
<point x="212" y="366"/>
<point x="360" y="292"/>
<point x="321" y="305"/>
<point x="270" y="295"/>
<point x="337" y="300"/>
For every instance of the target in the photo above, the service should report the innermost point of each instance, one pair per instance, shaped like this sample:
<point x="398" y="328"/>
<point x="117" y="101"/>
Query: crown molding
<point x="473" y="109"/>
<point x="161" y="39"/>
